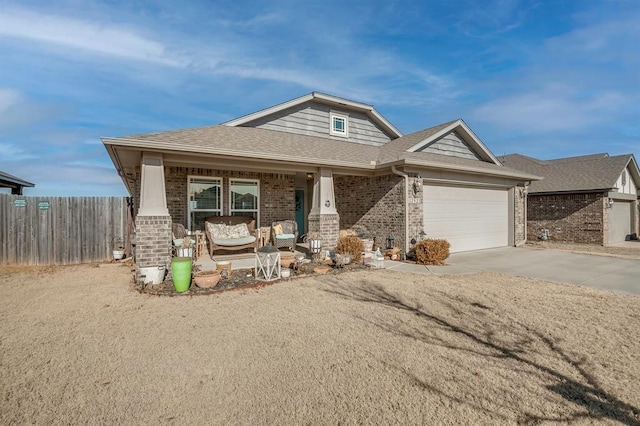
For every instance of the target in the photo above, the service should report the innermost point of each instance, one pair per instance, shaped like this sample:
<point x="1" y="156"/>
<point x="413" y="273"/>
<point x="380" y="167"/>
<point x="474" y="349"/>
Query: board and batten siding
<point x="60" y="230"/>
<point x="450" y="144"/>
<point x="629" y="186"/>
<point x="312" y="119"/>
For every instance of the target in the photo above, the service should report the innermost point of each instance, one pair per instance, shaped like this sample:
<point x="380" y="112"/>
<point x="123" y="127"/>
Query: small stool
<point x="267" y="263"/>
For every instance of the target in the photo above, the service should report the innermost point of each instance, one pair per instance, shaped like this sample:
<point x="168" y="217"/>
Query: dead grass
<point x="630" y="251"/>
<point x="79" y="345"/>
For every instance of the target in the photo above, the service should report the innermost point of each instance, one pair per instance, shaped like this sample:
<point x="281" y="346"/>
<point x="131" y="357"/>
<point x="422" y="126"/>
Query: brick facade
<point x="277" y="192"/>
<point x="373" y="206"/>
<point x="519" y="210"/>
<point x="153" y="241"/>
<point x="328" y="225"/>
<point x="569" y="218"/>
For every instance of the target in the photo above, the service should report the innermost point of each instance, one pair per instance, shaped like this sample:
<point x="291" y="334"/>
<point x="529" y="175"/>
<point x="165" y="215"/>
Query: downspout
<point x="406" y="206"/>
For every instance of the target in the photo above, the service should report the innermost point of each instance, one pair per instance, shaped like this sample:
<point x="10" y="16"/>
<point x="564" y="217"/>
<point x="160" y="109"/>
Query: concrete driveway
<point x="601" y="272"/>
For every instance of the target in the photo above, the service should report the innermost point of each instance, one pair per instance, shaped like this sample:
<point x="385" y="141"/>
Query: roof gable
<point x="333" y="102"/>
<point x="468" y="144"/>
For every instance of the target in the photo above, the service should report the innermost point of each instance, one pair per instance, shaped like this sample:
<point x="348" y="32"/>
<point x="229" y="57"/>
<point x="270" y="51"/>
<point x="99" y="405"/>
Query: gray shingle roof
<point x="589" y="172"/>
<point x="256" y="143"/>
<point x="7" y="180"/>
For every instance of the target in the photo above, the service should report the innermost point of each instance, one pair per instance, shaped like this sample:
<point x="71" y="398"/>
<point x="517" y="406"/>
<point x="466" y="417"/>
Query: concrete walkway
<point x="601" y="272"/>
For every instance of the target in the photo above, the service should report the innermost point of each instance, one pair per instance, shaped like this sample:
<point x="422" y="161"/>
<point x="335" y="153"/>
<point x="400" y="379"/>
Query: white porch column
<point x="153" y="197"/>
<point x="323" y="217"/>
<point x="324" y="200"/>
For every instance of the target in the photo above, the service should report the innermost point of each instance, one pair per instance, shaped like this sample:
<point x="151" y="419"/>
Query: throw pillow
<point x="277" y="229"/>
<point x="238" y="231"/>
<point x="218" y="230"/>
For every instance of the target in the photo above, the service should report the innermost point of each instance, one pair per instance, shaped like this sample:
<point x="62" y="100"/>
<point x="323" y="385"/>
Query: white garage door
<point x="619" y="221"/>
<point x="469" y="218"/>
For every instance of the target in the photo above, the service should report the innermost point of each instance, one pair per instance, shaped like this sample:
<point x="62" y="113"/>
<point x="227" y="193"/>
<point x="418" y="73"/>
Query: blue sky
<point x="542" y="78"/>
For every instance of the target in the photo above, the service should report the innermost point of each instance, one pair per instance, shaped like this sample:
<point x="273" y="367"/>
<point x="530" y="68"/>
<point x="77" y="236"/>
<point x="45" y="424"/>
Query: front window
<point x="205" y="199"/>
<point x="244" y="196"/>
<point x="339" y="124"/>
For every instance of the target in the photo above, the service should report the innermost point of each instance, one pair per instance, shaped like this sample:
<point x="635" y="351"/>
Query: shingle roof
<point x="589" y="172"/>
<point x="10" y="181"/>
<point x="260" y="143"/>
<point x="251" y="142"/>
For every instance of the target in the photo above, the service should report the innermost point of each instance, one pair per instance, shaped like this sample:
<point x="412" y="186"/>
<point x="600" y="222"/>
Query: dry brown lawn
<point x="79" y="346"/>
<point x="630" y="251"/>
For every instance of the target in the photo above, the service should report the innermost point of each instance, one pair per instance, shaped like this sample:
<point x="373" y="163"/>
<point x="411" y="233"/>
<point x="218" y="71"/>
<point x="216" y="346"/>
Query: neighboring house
<point x="589" y="199"/>
<point x="330" y="164"/>
<point x="16" y="184"/>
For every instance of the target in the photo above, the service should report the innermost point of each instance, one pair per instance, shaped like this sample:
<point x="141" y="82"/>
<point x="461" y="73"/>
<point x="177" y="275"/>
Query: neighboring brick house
<point x="589" y="199"/>
<point x="330" y="164"/>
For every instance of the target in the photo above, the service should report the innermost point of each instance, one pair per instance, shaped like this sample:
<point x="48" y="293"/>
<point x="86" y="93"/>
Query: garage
<point x="469" y="218"/>
<point x="619" y="221"/>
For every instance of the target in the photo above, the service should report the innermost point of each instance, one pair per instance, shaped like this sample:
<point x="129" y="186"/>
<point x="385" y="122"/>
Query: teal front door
<point x="300" y="211"/>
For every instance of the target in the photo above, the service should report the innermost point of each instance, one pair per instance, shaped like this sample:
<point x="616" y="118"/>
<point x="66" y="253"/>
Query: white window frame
<point x="256" y="210"/>
<point x="332" y="129"/>
<point x="189" y="209"/>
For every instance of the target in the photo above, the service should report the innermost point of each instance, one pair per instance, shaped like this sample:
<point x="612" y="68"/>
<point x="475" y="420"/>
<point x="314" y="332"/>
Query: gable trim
<point x="468" y="137"/>
<point x="326" y="99"/>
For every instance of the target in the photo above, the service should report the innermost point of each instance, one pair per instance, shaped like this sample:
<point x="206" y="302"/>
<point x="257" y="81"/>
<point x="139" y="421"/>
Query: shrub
<point x="352" y="245"/>
<point x="432" y="252"/>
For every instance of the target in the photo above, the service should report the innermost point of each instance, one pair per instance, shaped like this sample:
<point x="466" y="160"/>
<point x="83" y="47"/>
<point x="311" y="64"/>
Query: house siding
<point x="570" y="218"/>
<point x="629" y="186"/>
<point x="451" y="144"/>
<point x="312" y="119"/>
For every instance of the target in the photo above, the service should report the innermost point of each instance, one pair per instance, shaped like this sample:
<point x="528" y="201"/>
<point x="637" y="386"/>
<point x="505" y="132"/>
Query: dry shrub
<point x="352" y="245"/>
<point x="346" y="233"/>
<point x="432" y="252"/>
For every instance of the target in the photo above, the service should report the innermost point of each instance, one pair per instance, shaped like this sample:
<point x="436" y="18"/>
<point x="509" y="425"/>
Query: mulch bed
<point x="243" y="279"/>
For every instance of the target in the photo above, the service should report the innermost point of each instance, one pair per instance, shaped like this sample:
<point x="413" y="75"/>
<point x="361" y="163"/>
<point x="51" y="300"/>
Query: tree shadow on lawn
<point x="473" y="334"/>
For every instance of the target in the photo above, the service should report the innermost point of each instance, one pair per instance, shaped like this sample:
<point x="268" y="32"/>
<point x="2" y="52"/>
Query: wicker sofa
<point x="229" y="233"/>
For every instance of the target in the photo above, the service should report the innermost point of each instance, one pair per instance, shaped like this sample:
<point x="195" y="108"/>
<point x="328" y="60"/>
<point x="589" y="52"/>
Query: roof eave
<point x="468" y="169"/>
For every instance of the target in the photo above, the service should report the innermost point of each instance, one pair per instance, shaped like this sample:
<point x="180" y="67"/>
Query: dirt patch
<point x="79" y="345"/>
<point x="630" y="252"/>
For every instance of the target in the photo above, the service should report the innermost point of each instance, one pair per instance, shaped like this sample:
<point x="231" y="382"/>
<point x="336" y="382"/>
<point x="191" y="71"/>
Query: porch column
<point x="153" y="222"/>
<point x="323" y="217"/>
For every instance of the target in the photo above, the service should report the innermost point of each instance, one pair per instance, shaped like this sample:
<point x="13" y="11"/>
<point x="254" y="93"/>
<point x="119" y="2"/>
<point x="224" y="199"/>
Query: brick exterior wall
<point x="153" y="241"/>
<point x="570" y="218"/>
<point x="374" y="206"/>
<point x="328" y="225"/>
<point x="520" y="203"/>
<point x="277" y="192"/>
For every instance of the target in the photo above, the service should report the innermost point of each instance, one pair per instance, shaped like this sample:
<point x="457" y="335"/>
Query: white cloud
<point x="11" y="152"/>
<point x="8" y="99"/>
<point x="96" y="37"/>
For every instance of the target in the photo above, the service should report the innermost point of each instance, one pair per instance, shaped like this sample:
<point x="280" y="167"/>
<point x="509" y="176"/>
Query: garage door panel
<point x="469" y="218"/>
<point x="619" y="221"/>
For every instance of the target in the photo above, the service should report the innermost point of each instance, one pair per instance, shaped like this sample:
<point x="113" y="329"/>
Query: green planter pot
<point x="181" y="271"/>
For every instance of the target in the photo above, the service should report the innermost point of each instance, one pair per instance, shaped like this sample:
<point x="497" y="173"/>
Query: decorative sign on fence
<point x="20" y="202"/>
<point x="43" y="205"/>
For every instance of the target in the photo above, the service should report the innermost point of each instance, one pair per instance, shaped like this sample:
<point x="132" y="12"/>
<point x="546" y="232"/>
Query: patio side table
<point x="267" y="263"/>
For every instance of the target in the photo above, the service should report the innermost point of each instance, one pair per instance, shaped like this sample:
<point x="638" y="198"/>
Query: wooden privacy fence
<point x="60" y="230"/>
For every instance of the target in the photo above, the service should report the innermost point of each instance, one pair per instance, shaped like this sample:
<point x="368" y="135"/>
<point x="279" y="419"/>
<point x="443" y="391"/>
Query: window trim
<point x="220" y="210"/>
<point x="231" y="210"/>
<point x="332" y="129"/>
<point x="624" y="178"/>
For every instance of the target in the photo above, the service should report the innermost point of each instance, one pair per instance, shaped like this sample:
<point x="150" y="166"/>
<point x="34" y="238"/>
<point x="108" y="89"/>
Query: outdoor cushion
<point x="238" y="231"/>
<point x="234" y="241"/>
<point x="277" y="229"/>
<point x="284" y="236"/>
<point x="218" y="230"/>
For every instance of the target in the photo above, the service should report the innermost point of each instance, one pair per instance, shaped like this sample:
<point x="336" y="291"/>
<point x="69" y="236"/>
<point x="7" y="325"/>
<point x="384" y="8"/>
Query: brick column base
<point x="153" y="241"/>
<point x="328" y="225"/>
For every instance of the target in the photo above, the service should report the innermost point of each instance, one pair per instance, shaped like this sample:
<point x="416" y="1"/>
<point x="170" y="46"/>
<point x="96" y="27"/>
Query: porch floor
<point x="243" y="260"/>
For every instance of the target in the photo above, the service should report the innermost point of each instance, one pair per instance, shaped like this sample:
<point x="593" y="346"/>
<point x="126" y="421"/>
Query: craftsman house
<point x="589" y="199"/>
<point x="330" y="164"/>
